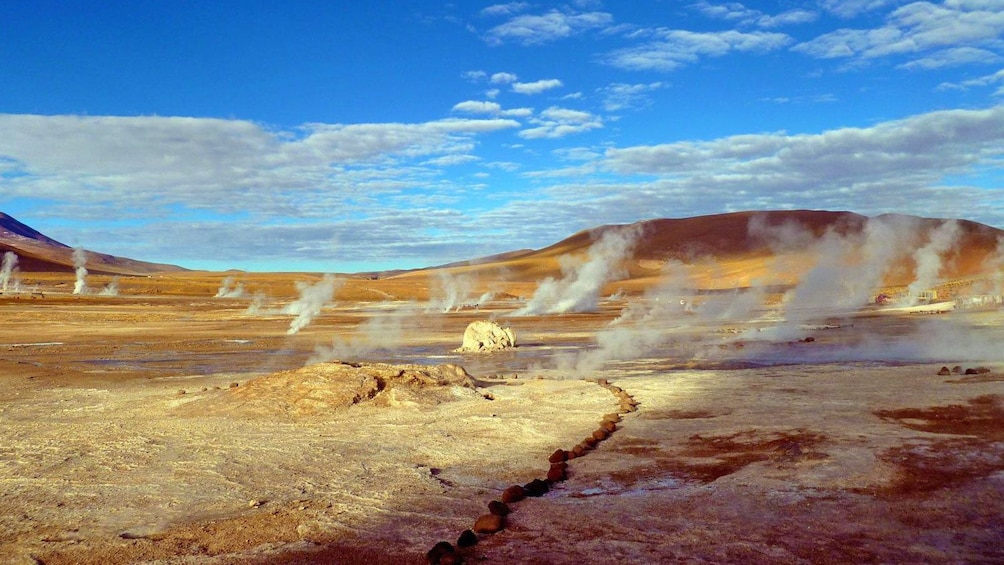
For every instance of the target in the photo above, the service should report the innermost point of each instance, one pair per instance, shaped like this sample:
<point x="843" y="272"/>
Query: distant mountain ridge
<point x="38" y="252"/>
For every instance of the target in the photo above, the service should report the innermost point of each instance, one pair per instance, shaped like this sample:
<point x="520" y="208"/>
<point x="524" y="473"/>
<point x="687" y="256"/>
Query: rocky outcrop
<point x="486" y="336"/>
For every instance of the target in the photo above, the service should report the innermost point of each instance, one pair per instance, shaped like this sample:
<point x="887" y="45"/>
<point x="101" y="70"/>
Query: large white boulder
<point x="485" y="336"/>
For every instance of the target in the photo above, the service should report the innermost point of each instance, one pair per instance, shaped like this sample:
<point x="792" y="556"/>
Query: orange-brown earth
<point x="165" y="425"/>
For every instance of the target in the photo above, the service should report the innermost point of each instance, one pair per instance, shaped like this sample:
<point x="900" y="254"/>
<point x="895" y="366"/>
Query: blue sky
<point x="353" y="136"/>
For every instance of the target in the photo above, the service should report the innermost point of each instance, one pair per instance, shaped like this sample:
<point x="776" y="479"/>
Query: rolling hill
<point x="37" y="252"/>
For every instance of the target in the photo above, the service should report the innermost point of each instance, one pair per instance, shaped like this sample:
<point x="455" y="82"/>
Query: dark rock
<point x="500" y="508"/>
<point x="944" y="371"/>
<point x="489" y="524"/>
<point x="557" y="473"/>
<point x="467" y="538"/>
<point x="512" y="494"/>
<point x="438" y="551"/>
<point x="537" y="488"/>
<point x="600" y="434"/>
<point x="578" y="450"/>
<point x="558" y="456"/>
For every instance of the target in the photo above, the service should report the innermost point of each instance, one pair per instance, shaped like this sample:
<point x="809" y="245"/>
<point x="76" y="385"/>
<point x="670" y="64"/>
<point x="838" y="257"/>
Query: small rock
<point x="438" y="551"/>
<point x="608" y="426"/>
<point x="578" y="450"/>
<point x="558" y="456"/>
<point x="254" y="503"/>
<point x="467" y="539"/>
<point x="536" y="488"/>
<point x="512" y="494"/>
<point x="612" y="417"/>
<point x="489" y="524"/>
<point x="600" y="434"/>
<point x="497" y="507"/>
<point x="957" y="369"/>
<point x="234" y="385"/>
<point x="557" y="473"/>
<point x="944" y="371"/>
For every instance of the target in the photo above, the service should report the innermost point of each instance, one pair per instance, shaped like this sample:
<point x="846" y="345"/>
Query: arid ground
<point x="786" y="387"/>
<point x="166" y="425"/>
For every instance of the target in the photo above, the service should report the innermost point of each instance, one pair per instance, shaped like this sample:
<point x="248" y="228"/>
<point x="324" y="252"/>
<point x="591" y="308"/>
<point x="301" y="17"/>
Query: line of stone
<point x="445" y="553"/>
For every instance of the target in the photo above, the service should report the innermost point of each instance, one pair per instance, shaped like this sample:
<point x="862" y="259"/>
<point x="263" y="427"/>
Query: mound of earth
<point x="484" y="336"/>
<point x="325" y="387"/>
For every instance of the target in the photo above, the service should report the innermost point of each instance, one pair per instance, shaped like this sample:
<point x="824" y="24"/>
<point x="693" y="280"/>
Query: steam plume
<point x="312" y="299"/>
<point x="378" y="333"/>
<point x="8" y="273"/>
<point x="580" y="286"/>
<point x="230" y="290"/>
<point x="112" y="289"/>
<point x="79" y="264"/>
<point x="451" y="292"/>
<point x="929" y="258"/>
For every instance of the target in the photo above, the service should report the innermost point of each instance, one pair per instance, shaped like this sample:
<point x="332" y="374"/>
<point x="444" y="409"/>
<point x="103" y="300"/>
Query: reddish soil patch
<point x="946" y="463"/>
<point x="706" y="459"/>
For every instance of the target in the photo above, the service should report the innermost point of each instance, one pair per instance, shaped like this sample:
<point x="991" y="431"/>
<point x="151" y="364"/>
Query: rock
<point x="558" y="456"/>
<point x="467" y="539"/>
<point x="944" y="371"/>
<point x="489" y="524"/>
<point x="977" y="371"/>
<point x="608" y="426"/>
<point x="439" y="551"/>
<point x="557" y="473"/>
<point x="500" y="508"/>
<point x="957" y="369"/>
<point x="485" y="336"/>
<point x="600" y="434"/>
<point x="612" y="417"/>
<point x="512" y="494"/>
<point x="578" y="450"/>
<point x="537" y="488"/>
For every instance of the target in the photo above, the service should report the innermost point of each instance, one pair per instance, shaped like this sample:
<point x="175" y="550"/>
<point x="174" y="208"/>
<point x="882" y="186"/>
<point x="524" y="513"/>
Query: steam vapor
<point x="8" y="273"/>
<point x="451" y="292"/>
<point x="112" y="289"/>
<point x="579" y="288"/>
<point x="79" y="264"/>
<point x="850" y="268"/>
<point x="230" y="290"/>
<point x="313" y="297"/>
<point x="377" y="333"/>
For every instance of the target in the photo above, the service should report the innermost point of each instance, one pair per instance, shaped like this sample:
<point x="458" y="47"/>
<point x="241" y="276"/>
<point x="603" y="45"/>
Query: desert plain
<point x="174" y="423"/>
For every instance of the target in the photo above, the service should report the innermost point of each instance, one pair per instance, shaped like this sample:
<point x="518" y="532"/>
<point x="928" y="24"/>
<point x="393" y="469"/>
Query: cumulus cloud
<point x="530" y="29"/>
<point x="670" y="49"/>
<point x="507" y="9"/>
<point x="556" y="122"/>
<point x="536" y="87"/>
<point x="217" y="164"/>
<point x="742" y="15"/>
<point x="918" y="27"/>
<point x="503" y="78"/>
<point x="979" y="82"/>
<point x="621" y="96"/>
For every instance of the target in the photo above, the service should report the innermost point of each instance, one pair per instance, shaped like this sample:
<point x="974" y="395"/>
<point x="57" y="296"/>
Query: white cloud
<point x="556" y="122"/>
<point x="551" y="26"/>
<point x="741" y="15"/>
<point x="507" y="9"/>
<point x="983" y="81"/>
<point x="675" y="48"/>
<point x="852" y="8"/>
<point x="916" y="28"/>
<point x="477" y="107"/>
<point x="145" y="163"/>
<point x="620" y="96"/>
<point x="915" y="152"/>
<point x="536" y="87"/>
<point x="503" y="78"/>
<point x="952" y="58"/>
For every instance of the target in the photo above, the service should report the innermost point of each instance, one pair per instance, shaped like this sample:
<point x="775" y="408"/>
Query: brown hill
<point x="39" y="253"/>
<point x="739" y="249"/>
